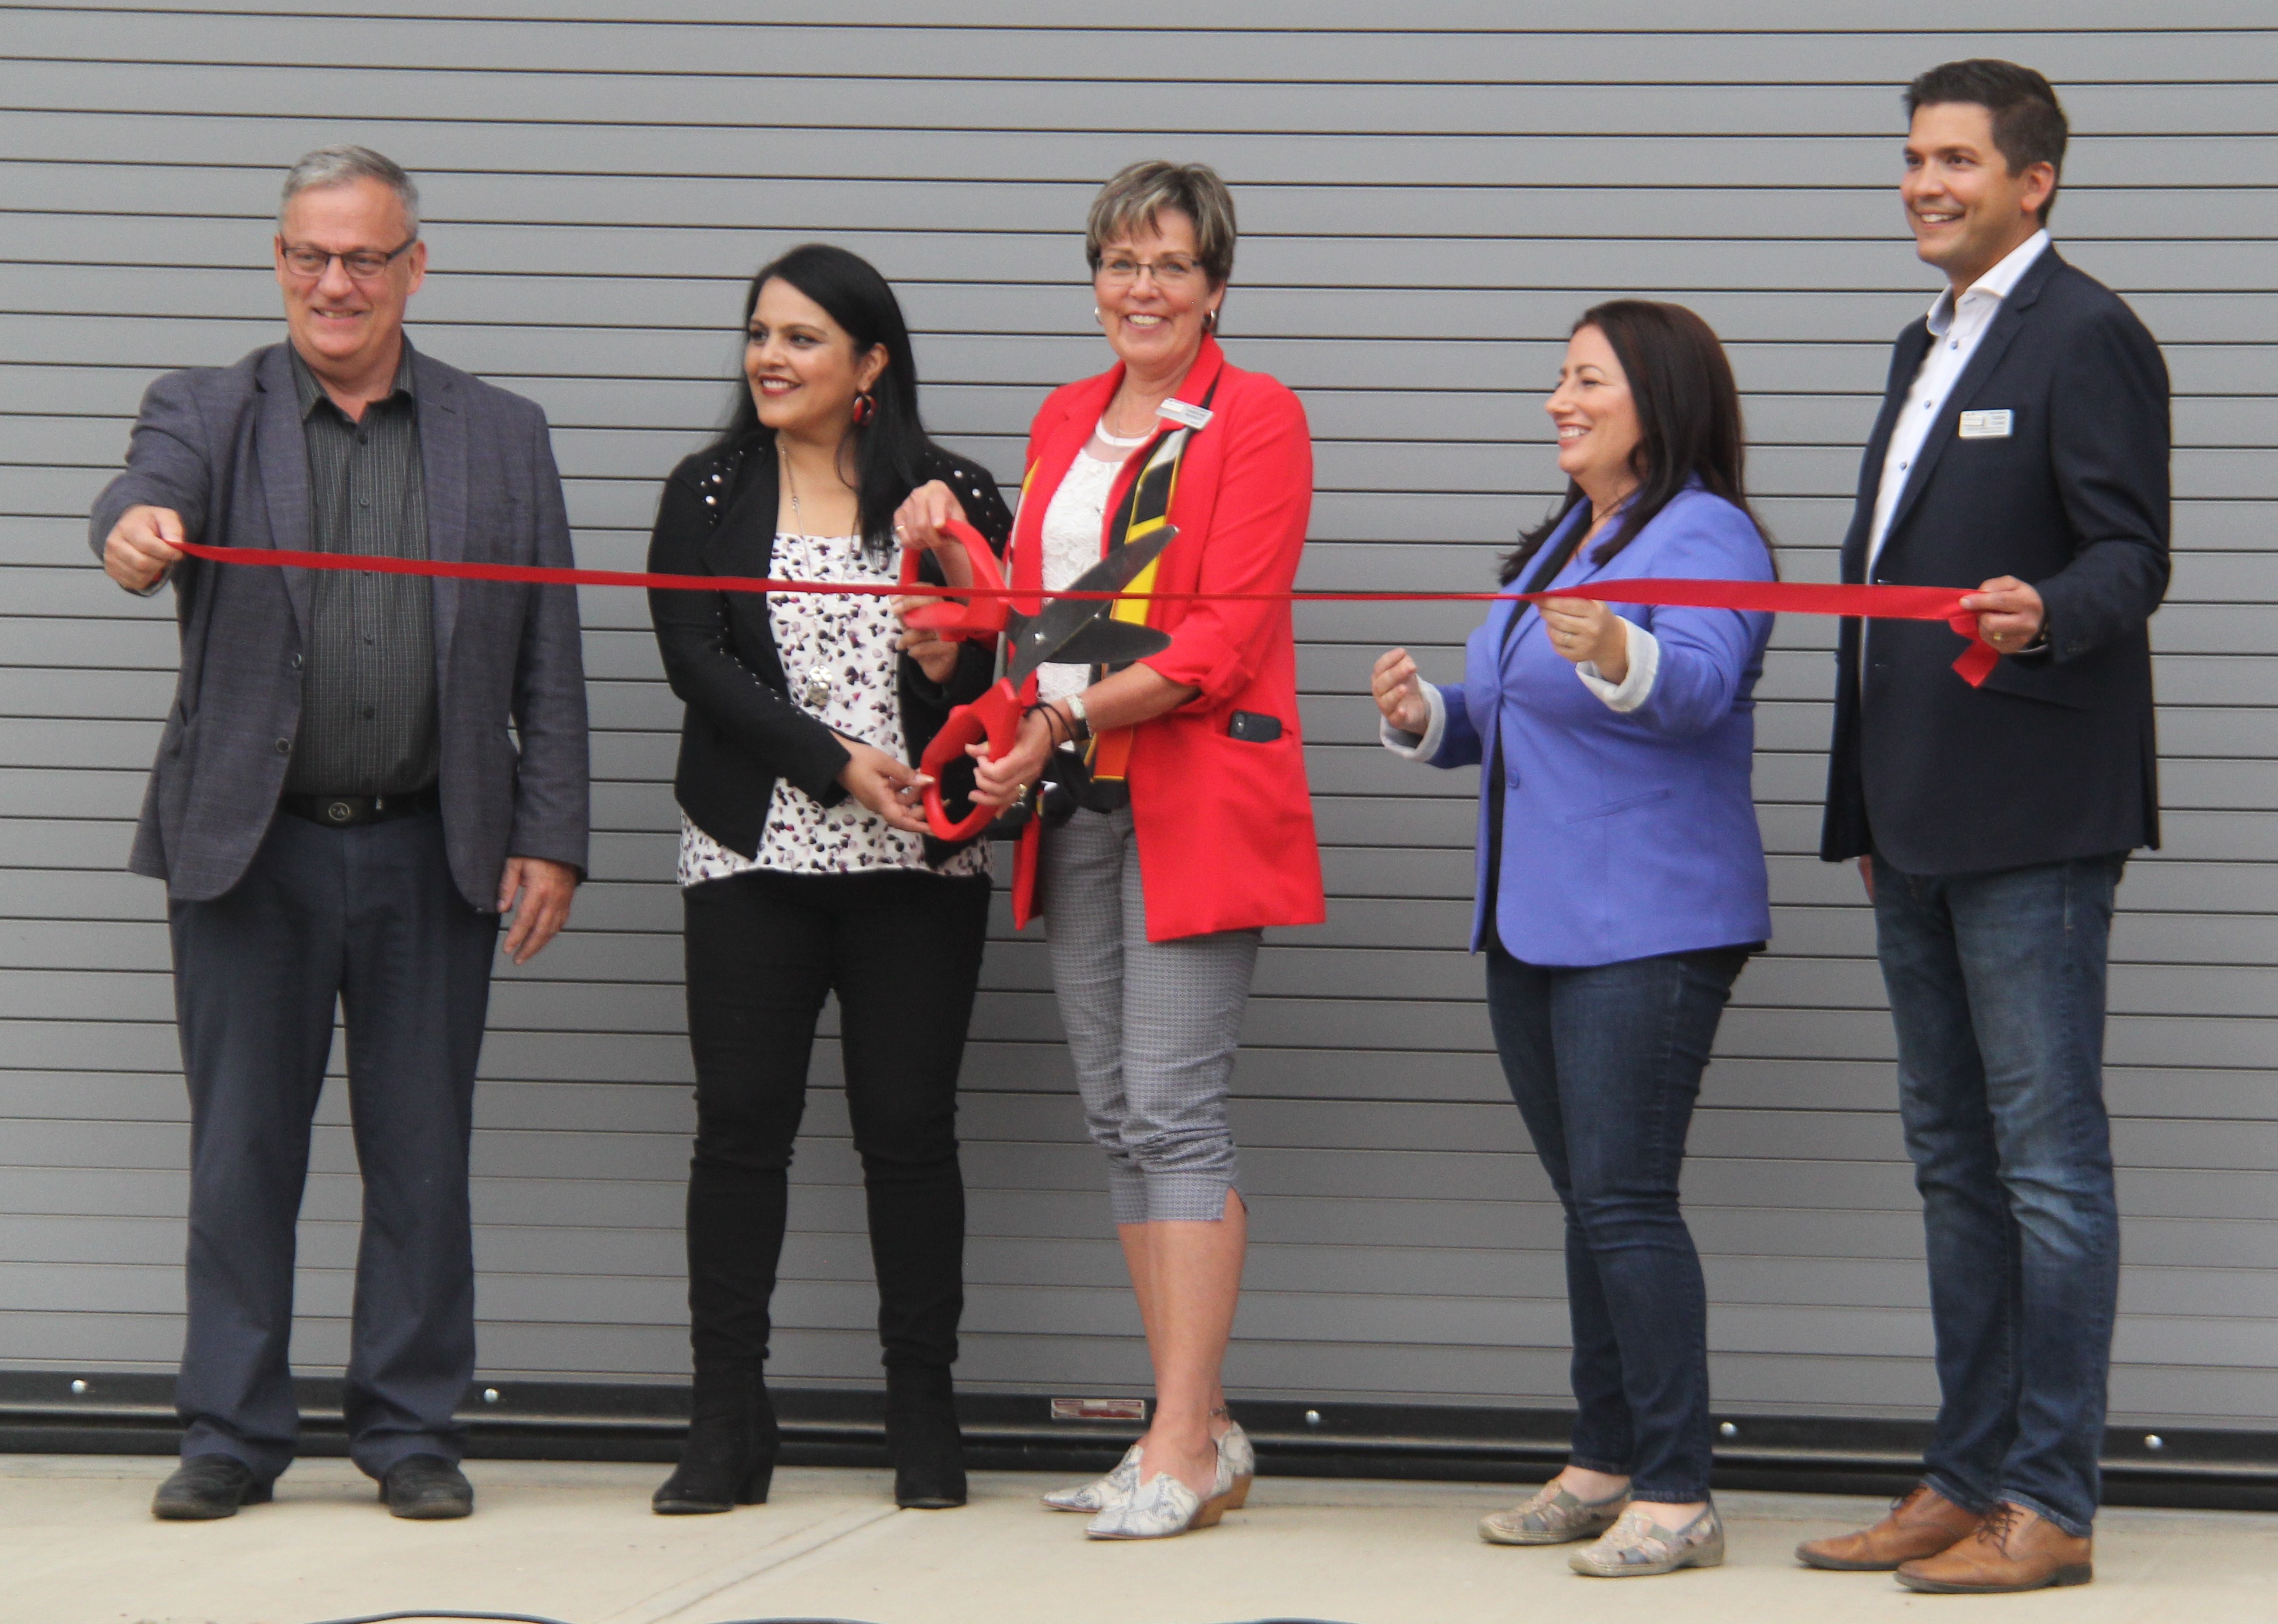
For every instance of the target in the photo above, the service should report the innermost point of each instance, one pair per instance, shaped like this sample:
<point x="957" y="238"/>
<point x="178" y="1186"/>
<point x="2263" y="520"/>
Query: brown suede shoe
<point x="1921" y="1524"/>
<point x="2012" y="1549"/>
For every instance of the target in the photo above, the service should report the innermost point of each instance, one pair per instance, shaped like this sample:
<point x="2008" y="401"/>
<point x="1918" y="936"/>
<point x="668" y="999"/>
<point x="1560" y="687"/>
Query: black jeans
<point x="371" y="919"/>
<point x="902" y="950"/>
<point x="1605" y="1063"/>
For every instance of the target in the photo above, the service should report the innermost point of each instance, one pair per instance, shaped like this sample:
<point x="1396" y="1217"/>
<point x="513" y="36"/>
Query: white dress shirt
<point x="1957" y="326"/>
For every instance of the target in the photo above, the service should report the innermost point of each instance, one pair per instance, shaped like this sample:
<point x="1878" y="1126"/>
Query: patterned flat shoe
<point x="1638" y="1546"/>
<point x="1096" y="1495"/>
<point x="1238" y="1465"/>
<point x="1553" y="1517"/>
<point x="1164" y="1507"/>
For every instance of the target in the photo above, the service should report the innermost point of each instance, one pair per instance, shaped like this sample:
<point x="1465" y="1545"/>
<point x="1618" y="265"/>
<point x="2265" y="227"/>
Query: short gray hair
<point x="339" y="165"/>
<point x="1140" y="192"/>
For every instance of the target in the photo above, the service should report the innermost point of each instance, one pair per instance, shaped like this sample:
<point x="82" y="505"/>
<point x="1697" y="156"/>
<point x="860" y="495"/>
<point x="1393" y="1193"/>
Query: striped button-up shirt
<point x="368" y="723"/>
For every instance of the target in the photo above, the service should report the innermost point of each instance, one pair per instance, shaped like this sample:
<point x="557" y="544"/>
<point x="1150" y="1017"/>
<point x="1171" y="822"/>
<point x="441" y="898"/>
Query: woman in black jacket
<point x="805" y="866"/>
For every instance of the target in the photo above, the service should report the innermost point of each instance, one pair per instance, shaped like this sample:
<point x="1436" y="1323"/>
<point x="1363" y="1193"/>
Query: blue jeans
<point x="1996" y="991"/>
<point x="1605" y="1063"/>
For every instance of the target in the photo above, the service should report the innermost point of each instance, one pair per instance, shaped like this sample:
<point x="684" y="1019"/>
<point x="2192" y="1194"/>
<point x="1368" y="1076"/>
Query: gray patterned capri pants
<point x="1153" y="1026"/>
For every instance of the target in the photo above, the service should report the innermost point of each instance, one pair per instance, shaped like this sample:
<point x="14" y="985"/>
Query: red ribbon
<point x="1975" y="663"/>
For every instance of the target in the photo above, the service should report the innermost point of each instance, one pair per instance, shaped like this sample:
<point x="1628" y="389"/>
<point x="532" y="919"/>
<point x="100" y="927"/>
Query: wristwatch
<point x="1080" y="716"/>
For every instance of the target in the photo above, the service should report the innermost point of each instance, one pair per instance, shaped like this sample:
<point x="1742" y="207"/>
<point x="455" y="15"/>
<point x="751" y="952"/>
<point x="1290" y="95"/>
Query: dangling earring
<point x="866" y="407"/>
<point x="1209" y="320"/>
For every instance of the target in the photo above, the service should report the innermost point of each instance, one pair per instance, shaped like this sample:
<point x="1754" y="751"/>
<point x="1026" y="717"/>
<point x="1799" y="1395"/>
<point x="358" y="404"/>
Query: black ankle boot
<point x="730" y="1457"/>
<point x="921" y="1436"/>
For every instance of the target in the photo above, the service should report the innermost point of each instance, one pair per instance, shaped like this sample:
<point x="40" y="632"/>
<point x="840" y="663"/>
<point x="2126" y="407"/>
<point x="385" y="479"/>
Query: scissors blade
<point x="1037" y="639"/>
<point x="1112" y="642"/>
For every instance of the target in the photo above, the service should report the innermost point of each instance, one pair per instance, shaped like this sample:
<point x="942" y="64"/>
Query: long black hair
<point x="1689" y="421"/>
<point x="888" y="453"/>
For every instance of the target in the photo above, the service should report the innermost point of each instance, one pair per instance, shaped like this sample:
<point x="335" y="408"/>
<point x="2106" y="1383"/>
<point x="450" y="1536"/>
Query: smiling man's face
<point x="1967" y="210"/>
<point x="345" y="326"/>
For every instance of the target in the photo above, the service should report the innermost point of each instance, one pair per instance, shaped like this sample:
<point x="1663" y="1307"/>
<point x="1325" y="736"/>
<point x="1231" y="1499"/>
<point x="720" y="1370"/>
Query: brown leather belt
<point x="356" y="811"/>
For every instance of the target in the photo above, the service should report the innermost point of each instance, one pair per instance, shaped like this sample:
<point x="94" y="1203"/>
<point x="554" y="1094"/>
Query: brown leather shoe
<point x="2012" y="1549"/>
<point x="1921" y="1524"/>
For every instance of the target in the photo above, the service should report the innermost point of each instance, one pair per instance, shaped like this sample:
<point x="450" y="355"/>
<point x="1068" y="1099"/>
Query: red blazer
<point x="1225" y="825"/>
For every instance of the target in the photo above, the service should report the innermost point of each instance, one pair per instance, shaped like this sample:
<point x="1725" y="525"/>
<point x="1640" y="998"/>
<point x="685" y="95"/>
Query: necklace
<point x="1598" y="516"/>
<point x="876" y="552"/>
<point x="790" y="485"/>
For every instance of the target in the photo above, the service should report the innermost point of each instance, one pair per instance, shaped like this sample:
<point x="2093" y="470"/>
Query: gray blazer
<point x="223" y="446"/>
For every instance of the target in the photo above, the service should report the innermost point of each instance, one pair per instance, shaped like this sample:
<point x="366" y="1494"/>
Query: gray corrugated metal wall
<point x="1426" y="206"/>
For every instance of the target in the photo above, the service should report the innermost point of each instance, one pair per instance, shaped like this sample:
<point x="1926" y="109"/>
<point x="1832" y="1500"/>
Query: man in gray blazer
<point x="361" y="773"/>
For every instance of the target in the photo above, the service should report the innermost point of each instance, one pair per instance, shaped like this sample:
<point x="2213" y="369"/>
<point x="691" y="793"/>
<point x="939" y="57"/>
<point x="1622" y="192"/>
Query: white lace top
<point x="838" y="653"/>
<point x="1072" y="531"/>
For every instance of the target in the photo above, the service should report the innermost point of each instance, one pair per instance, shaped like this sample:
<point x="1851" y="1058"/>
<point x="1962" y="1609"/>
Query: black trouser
<point x="902" y="950"/>
<point x="369" y="918"/>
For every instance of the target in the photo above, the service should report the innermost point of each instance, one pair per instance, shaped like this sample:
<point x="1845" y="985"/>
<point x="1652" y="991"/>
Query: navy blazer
<point x="2053" y="757"/>
<point x="1625" y="835"/>
<point x="223" y="447"/>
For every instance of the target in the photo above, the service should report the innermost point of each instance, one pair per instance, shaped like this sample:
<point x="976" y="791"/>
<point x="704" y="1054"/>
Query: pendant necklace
<point x="816" y="690"/>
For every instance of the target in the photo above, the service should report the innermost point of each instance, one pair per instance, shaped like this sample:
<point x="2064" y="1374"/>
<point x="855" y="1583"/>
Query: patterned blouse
<point x="839" y="655"/>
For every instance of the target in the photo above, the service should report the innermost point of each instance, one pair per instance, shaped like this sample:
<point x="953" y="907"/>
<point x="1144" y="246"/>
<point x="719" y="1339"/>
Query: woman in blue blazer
<point x="1621" y="888"/>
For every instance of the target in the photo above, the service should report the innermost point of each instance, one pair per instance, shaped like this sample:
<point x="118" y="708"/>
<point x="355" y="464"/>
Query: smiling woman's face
<point x="1596" y="417"/>
<point x="802" y="366"/>
<point x="1153" y="293"/>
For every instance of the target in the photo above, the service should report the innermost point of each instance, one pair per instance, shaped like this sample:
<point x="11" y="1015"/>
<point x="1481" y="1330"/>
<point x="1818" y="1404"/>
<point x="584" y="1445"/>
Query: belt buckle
<point x="338" y="812"/>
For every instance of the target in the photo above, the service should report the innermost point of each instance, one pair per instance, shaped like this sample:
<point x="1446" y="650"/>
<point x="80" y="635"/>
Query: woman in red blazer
<point x="1175" y="823"/>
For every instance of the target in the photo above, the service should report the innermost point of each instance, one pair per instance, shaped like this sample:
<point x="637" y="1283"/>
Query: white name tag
<point x="1191" y="415"/>
<point x="1985" y="425"/>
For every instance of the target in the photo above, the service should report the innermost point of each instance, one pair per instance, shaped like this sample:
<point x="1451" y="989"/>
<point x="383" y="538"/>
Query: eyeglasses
<point x="363" y="265"/>
<point x="1172" y="271"/>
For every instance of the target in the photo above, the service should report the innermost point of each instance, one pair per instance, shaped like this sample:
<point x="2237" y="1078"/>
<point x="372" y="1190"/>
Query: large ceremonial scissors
<point x="1066" y="631"/>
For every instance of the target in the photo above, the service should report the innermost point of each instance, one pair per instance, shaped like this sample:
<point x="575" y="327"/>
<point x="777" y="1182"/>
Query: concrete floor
<point x="577" y="1543"/>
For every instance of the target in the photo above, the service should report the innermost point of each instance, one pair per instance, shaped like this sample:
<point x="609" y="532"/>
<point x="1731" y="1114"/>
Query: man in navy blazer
<point x="361" y="773"/>
<point x="2023" y="444"/>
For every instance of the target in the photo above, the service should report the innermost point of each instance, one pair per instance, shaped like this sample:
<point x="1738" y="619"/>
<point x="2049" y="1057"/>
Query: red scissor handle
<point x="995" y="716"/>
<point x="960" y="622"/>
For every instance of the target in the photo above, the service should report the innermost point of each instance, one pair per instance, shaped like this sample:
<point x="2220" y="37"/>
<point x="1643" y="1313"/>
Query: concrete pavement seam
<point x="674" y="1603"/>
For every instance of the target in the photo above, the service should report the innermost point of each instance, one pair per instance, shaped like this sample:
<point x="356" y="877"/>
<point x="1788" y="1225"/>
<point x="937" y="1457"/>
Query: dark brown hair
<point x="2029" y="123"/>
<point x="888" y="452"/>
<point x="1688" y="420"/>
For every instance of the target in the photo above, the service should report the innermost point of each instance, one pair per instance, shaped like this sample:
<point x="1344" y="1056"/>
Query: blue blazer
<point x="1625" y="836"/>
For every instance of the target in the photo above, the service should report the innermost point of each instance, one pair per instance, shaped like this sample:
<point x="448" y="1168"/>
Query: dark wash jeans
<point x="1996" y="991"/>
<point x="1605" y="1063"/>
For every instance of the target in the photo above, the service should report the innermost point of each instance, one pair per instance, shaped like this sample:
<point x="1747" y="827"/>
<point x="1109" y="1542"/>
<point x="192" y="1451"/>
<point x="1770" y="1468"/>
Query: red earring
<point x="866" y="407"/>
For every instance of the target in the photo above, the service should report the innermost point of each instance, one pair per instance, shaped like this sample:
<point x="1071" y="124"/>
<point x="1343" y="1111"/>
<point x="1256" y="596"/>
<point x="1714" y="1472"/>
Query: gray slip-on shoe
<point x="1637" y="1547"/>
<point x="1553" y="1517"/>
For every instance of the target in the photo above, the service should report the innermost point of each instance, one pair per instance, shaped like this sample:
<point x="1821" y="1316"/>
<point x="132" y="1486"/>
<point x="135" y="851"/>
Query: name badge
<point x="1986" y="425"/>
<point x="1184" y="414"/>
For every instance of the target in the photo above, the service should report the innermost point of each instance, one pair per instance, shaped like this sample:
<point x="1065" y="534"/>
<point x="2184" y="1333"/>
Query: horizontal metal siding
<point x="1421" y="223"/>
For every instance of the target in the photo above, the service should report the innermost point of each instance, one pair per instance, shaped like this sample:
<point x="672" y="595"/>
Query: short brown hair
<point x="1140" y="192"/>
<point x="2029" y="123"/>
